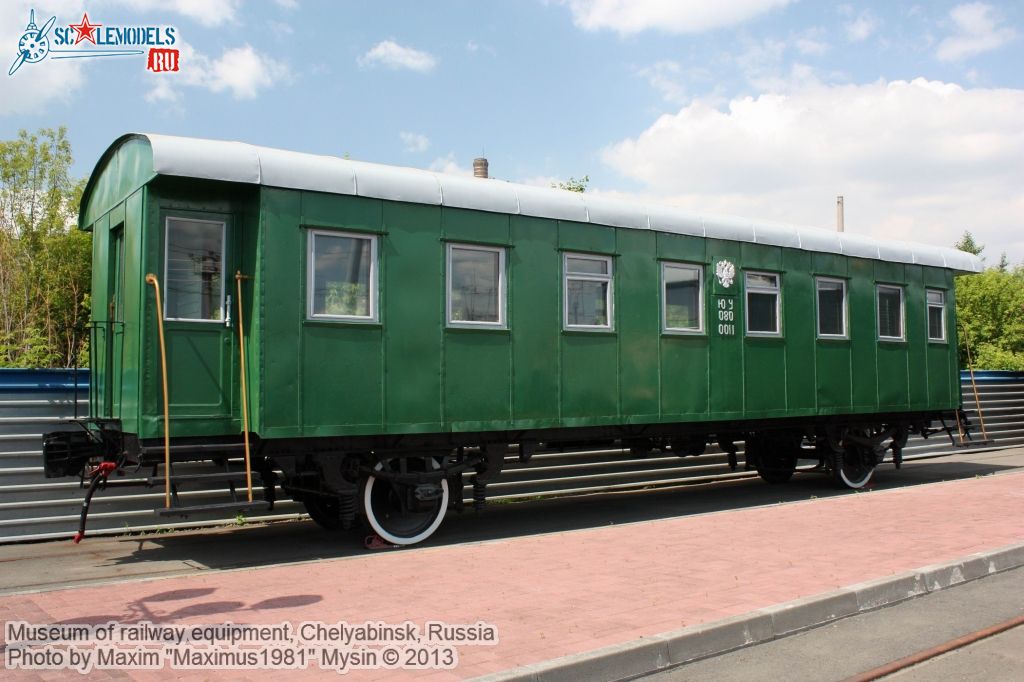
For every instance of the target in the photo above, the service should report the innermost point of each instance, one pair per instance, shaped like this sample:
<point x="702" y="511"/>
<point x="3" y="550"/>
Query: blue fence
<point x="43" y="380"/>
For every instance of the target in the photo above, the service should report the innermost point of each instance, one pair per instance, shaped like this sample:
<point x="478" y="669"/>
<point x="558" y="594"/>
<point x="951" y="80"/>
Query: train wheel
<point x="852" y="468"/>
<point x="404" y="514"/>
<point x="324" y="512"/>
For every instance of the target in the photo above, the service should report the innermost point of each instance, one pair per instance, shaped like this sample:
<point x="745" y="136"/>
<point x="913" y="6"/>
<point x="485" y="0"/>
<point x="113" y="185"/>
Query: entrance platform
<point x="607" y="602"/>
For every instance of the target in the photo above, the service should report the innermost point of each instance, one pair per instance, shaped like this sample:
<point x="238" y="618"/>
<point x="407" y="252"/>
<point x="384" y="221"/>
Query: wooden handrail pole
<point x="151" y="279"/>
<point x="245" y="392"/>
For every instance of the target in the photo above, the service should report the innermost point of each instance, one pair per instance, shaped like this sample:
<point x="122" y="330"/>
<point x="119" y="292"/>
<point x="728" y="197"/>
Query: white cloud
<point x="977" y="29"/>
<point x="390" y="54"/>
<point x="862" y="27"/>
<point x="414" y="142"/>
<point x="473" y="47"/>
<point x="670" y="16"/>
<point x="666" y="76"/>
<point x="206" y="12"/>
<point x="287" y="4"/>
<point x="811" y="43"/>
<point x="448" y="164"/>
<point x="35" y="88"/>
<point x="242" y="71"/>
<point x="919" y="160"/>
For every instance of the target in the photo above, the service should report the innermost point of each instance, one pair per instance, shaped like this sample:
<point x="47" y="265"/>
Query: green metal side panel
<point x="536" y="315"/>
<point x="134" y="294"/>
<point x="342" y="364"/>
<point x="892" y="370"/>
<point x="341" y="372"/>
<point x="410" y="373"/>
<point x="125" y="170"/>
<point x="684" y="380"/>
<point x="341" y="211"/>
<point x="100" y="374"/>
<point x="589" y="359"/>
<point x="726" y="358"/>
<point x="281" y="310"/>
<point x="833" y="358"/>
<point x="764" y="378"/>
<point x="639" y="319"/>
<point x="477" y="362"/>
<point x="413" y="314"/>
<point x="863" y="335"/>
<point x="917" y="339"/>
<point x="764" y="362"/>
<point x="801" y="329"/>
<point x="952" y="332"/>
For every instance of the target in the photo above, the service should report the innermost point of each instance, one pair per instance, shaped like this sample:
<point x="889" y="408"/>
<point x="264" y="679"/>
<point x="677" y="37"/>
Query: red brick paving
<point x="572" y="592"/>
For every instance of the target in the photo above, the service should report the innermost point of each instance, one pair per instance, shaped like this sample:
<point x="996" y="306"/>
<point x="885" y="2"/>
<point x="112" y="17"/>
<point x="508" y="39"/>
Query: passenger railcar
<point x="370" y="334"/>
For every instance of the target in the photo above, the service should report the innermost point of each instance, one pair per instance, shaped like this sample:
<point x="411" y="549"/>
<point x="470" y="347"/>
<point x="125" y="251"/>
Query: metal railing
<point x="35" y="508"/>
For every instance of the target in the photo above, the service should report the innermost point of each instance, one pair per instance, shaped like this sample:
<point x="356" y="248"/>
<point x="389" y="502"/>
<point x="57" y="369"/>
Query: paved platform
<point x="565" y="594"/>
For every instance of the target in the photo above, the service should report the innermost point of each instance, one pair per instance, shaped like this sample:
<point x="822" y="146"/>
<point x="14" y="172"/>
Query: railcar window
<point x="831" y="307"/>
<point x="476" y="286"/>
<point x="762" y="303"/>
<point x="890" y="312"/>
<point x="342" y="276"/>
<point x="682" y="297"/>
<point x="936" y="315"/>
<point x="588" y="291"/>
<point x="194" y="269"/>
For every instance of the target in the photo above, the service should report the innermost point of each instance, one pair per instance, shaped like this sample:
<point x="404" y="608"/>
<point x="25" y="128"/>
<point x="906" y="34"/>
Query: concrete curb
<point x="665" y="650"/>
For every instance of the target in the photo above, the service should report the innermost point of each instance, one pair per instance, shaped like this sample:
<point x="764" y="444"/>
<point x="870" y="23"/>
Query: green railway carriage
<point x="402" y="328"/>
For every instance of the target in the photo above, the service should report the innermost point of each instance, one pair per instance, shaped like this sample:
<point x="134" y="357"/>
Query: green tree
<point x="990" y="311"/>
<point x="573" y="184"/>
<point x="968" y="244"/>
<point x="45" y="265"/>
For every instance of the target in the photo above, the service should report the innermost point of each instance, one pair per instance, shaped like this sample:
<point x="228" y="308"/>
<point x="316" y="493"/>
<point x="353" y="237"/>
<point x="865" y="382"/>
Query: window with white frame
<point x="762" y="290"/>
<point x="890" y="312"/>
<point x="588" y="291"/>
<point x="682" y="297"/>
<point x="936" y="314"/>
<point x="831" y="307"/>
<point x="194" y="269"/>
<point x="342" y="276"/>
<point x="476" y="286"/>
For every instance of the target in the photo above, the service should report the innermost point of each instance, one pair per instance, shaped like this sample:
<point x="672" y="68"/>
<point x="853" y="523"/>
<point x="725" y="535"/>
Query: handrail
<point x="974" y="384"/>
<point x="245" y="391"/>
<point x="151" y="279"/>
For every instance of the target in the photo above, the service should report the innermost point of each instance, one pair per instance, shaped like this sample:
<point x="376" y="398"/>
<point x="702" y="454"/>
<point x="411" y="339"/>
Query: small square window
<point x="342" y="276"/>
<point x="762" y="292"/>
<point x="890" y="312"/>
<point x="831" y="307"/>
<point x="588" y="292"/>
<point x="476" y="286"/>
<point x="936" y="315"/>
<point x="682" y="297"/>
<point x="194" y="270"/>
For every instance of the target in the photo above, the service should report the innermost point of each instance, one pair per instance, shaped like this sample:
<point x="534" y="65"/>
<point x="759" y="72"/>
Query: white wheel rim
<point x="397" y="539"/>
<point x="855" y="484"/>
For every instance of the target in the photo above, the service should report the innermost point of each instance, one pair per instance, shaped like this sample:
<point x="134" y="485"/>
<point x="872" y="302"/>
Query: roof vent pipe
<point x="839" y="214"/>
<point x="480" y="168"/>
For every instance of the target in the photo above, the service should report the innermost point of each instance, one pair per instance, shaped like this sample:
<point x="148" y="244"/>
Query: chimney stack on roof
<point x="480" y="168"/>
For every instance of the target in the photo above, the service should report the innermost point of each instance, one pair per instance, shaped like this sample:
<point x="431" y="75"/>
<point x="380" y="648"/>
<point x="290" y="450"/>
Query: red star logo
<point x="85" y="30"/>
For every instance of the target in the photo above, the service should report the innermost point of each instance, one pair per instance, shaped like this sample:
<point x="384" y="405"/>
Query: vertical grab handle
<point x="242" y="374"/>
<point x="151" y="279"/>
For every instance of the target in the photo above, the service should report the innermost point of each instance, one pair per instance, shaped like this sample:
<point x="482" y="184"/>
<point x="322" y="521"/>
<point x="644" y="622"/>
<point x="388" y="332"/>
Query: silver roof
<point x="240" y="162"/>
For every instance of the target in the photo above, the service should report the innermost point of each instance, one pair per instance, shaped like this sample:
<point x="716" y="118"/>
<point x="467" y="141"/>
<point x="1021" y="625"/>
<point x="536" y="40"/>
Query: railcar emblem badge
<point x="725" y="272"/>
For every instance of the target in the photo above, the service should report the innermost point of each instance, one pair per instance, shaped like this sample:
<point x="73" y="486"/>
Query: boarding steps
<point x="234" y="478"/>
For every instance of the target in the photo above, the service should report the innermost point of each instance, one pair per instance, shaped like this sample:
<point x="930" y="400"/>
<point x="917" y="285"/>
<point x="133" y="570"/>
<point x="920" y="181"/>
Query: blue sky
<point x="764" y="108"/>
